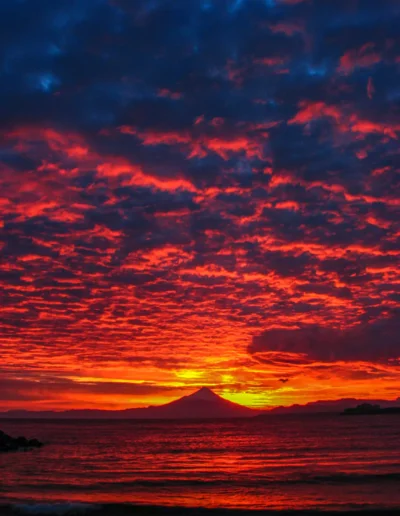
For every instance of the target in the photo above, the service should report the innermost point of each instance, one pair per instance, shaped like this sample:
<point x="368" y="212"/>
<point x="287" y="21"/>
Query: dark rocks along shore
<point x="8" y="443"/>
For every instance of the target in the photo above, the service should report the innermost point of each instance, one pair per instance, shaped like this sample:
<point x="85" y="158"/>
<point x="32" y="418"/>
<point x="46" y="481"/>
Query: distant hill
<point x="330" y="406"/>
<point x="202" y="404"/>
<point x="367" y="409"/>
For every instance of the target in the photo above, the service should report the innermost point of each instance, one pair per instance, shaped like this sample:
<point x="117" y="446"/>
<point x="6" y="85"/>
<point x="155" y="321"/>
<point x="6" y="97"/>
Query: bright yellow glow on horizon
<point x="249" y="399"/>
<point x="189" y="374"/>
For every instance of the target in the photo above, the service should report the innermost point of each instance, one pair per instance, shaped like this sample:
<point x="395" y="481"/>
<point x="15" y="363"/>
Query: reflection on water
<point x="284" y="462"/>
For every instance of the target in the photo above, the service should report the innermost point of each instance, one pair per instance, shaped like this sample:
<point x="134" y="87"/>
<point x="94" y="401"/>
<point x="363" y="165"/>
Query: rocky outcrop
<point x="8" y="443"/>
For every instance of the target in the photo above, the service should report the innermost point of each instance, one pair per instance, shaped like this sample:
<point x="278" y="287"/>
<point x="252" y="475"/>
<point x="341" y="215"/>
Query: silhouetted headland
<point x="8" y="443"/>
<point x="369" y="409"/>
<point x="328" y="407"/>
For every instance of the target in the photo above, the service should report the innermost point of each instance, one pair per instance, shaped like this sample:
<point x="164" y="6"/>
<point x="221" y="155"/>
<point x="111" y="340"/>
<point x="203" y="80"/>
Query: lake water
<point x="285" y="462"/>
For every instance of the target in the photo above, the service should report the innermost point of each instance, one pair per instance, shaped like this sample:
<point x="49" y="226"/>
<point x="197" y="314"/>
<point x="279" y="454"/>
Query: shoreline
<point x="123" y="509"/>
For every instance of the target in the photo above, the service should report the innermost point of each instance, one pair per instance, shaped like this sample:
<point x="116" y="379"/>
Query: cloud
<point x="364" y="57"/>
<point x="41" y="388"/>
<point x="377" y="341"/>
<point x="176" y="179"/>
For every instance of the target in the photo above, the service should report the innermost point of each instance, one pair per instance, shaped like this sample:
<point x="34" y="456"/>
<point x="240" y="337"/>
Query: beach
<point x="132" y="510"/>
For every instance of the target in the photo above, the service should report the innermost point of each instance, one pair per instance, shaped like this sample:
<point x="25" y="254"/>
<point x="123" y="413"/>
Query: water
<point x="286" y="462"/>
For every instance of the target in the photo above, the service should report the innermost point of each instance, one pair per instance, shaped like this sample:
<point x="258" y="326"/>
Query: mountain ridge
<point x="330" y="406"/>
<point x="201" y="404"/>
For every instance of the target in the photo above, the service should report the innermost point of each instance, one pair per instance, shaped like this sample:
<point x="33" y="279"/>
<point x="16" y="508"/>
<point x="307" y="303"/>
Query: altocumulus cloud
<point x="177" y="178"/>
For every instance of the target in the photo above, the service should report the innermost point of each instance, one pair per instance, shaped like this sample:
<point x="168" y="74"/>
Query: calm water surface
<point x="327" y="462"/>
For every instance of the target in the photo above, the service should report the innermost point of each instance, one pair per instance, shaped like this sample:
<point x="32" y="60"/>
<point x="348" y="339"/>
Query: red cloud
<point x="363" y="57"/>
<point x="200" y="145"/>
<point x="368" y="127"/>
<point x="370" y="88"/>
<point x="345" y="123"/>
<point x="287" y="28"/>
<point x="312" y="110"/>
<point x="174" y="95"/>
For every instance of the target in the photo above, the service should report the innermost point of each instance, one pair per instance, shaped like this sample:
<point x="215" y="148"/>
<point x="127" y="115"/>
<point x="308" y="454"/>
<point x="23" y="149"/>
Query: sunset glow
<point x="202" y="193"/>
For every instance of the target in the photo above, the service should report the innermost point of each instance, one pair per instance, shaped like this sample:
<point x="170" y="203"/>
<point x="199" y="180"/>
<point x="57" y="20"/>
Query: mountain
<point x="202" y="404"/>
<point x="330" y="406"/>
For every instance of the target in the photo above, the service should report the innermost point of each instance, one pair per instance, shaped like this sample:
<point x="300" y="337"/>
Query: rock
<point x="4" y="438"/>
<point x="8" y="443"/>
<point x="21" y="442"/>
<point x="34" y="443"/>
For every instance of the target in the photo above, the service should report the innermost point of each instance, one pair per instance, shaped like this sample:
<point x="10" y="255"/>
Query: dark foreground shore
<point x="75" y="509"/>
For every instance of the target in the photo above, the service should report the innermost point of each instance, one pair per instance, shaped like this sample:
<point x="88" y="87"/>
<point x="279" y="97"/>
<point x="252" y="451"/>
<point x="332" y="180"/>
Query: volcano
<point x="203" y="403"/>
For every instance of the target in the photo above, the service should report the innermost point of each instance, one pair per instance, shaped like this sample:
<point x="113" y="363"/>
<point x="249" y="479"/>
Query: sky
<point x="199" y="192"/>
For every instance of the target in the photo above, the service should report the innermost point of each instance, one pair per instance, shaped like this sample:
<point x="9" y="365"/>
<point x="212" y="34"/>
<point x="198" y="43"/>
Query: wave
<point x="58" y="509"/>
<point x="355" y="478"/>
<point x="344" y="478"/>
<point x="175" y="483"/>
<point x="77" y="509"/>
